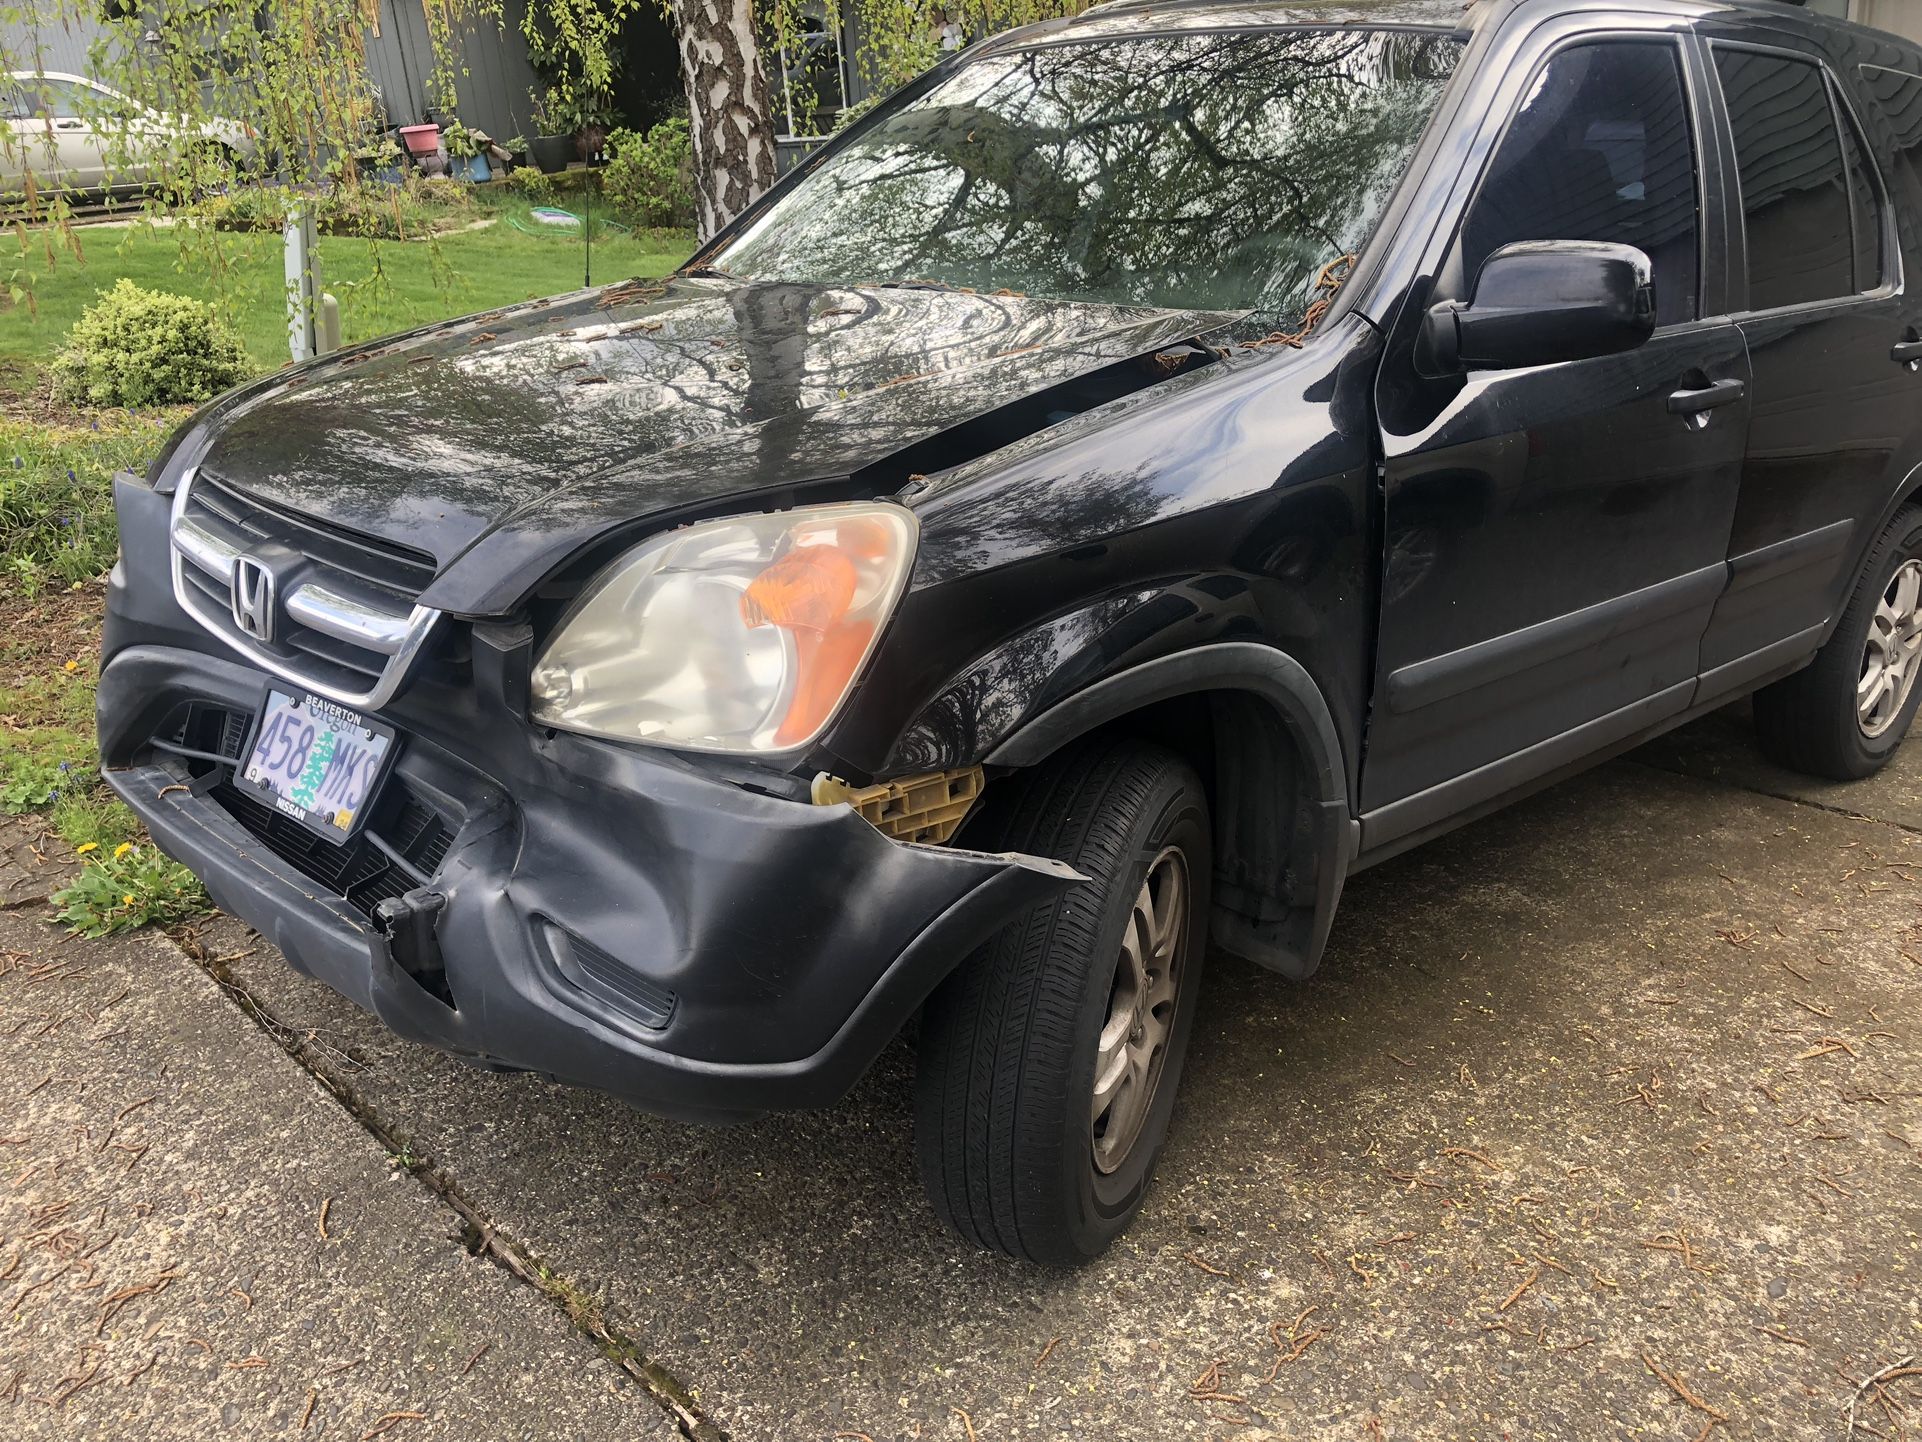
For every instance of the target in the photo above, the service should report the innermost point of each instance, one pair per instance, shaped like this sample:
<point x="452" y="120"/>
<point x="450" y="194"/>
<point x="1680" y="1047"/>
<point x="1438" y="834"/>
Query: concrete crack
<point x="1755" y="790"/>
<point x="480" y="1236"/>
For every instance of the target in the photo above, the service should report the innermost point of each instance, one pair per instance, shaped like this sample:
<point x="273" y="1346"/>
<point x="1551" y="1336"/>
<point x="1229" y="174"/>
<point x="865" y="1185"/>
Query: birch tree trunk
<point x="729" y="116"/>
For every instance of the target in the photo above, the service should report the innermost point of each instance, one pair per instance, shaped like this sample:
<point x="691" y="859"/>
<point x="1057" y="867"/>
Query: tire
<point x="1815" y="720"/>
<point x="1011" y="1148"/>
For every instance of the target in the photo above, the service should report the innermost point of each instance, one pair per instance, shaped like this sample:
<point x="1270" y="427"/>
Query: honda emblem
<point x="253" y="598"/>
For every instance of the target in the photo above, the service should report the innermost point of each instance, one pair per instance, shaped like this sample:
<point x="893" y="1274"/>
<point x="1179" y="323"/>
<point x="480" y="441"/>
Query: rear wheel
<point x="1049" y="1060"/>
<point x="1844" y="714"/>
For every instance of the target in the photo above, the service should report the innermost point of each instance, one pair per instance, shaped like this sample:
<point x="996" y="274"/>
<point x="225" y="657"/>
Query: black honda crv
<point x="1152" y="466"/>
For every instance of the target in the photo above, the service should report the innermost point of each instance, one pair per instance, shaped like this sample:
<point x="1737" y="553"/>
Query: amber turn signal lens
<point x="828" y="661"/>
<point x="808" y="589"/>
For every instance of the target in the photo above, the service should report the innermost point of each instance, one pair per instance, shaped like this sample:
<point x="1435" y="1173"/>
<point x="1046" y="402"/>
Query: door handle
<point x="1906" y="352"/>
<point x="69" y="125"/>
<point x="1706" y="398"/>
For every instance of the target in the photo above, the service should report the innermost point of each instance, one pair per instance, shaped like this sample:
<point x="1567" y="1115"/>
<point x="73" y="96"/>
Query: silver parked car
<point x="75" y="134"/>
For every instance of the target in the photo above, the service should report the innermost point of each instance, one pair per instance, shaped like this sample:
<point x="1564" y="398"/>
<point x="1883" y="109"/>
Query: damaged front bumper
<point x="610" y="917"/>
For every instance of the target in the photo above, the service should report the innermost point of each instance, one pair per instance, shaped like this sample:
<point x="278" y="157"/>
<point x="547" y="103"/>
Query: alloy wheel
<point x="1893" y="656"/>
<point x="1141" y="1010"/>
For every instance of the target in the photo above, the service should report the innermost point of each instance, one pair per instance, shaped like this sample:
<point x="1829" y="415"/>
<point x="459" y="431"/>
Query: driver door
<point x="1556" y="536"/>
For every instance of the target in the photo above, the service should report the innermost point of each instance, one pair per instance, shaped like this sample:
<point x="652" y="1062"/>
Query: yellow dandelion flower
<point x="128" y="898"/>
<point x="122" y="849"/>
<point x="73" y="665"/>
<point x="87" y="846"/>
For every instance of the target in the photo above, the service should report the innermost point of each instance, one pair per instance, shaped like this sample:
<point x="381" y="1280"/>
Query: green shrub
<point x="531" y="181"/>
<point x="137" y="347"/>
<point x="649" y="179"/>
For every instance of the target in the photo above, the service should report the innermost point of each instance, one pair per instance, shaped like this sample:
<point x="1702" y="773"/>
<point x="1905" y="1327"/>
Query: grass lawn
<point x="57" y="533"/>
<point x="382" y="286"/>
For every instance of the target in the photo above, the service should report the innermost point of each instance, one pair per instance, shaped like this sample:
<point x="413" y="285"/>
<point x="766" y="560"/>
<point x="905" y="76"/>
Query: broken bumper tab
<point x="610" y="918"/>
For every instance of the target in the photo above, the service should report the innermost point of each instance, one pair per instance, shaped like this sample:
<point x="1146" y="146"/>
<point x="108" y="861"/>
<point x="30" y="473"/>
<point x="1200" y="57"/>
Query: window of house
<point x="1602" y="150"/>
<point x="808" y="69"/>
<point x="1795" y="187"/>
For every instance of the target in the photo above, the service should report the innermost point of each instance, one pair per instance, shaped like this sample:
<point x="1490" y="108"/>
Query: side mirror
<point x="1537" y="302"/>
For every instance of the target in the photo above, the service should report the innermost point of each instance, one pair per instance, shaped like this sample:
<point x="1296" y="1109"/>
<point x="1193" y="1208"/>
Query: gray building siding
<point x="492" y="76"/>
<point x="49" y="45"/>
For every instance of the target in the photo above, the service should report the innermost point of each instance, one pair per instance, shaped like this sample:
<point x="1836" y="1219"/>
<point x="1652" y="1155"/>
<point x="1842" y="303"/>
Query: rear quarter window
<point x="1898" y="96"/>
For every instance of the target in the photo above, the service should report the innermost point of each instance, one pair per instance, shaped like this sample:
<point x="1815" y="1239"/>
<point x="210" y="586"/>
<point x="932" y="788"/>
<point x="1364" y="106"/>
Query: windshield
<point x="1201" y="171"/>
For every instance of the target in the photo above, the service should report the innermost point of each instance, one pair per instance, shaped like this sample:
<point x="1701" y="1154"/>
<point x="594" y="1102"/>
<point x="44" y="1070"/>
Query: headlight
<point x="740" y="635"/>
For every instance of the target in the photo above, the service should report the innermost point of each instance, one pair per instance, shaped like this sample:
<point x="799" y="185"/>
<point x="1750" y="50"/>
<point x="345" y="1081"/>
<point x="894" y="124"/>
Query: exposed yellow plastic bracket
<point x="926" y="809"/>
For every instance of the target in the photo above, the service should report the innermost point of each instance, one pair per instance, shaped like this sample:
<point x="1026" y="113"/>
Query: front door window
<point x="1601" y="150"/>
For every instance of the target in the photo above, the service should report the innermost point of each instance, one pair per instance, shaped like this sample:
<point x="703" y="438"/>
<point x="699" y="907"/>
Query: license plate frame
<point x="317" y="819"/>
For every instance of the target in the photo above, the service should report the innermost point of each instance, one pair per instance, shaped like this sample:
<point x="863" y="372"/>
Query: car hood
<point x="504" y="443"/>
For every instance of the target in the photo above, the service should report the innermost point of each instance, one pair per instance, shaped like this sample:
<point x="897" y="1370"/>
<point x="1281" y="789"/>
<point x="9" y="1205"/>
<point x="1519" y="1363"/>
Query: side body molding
<point x="1284" y="829"/>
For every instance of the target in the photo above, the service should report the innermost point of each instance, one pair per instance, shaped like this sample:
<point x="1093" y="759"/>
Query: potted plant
<point x="516" y="148"/>
<point x="422" y="139"/>
<point x="578" y="121"/>
<point x="553" y="143"/>
<point x="468" y="149"/>
<point x="385" y="163"/>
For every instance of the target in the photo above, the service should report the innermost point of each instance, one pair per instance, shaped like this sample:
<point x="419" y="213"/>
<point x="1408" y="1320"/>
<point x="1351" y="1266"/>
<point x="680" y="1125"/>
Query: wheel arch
<point x="1907" y="493"/>
<point x="1260" y="731"/>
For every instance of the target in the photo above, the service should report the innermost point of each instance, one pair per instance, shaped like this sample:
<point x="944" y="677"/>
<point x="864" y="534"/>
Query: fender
<point x="1285" y="833"/>
<point x="1909" y="490"/>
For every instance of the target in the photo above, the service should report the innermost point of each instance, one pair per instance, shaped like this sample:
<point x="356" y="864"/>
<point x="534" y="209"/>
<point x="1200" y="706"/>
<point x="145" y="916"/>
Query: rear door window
<point x="1796" y="193"/>
<point x="1601" y="150"/>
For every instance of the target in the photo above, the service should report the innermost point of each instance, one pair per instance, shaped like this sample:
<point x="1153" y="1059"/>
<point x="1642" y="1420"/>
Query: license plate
<point x="317" y="762"/>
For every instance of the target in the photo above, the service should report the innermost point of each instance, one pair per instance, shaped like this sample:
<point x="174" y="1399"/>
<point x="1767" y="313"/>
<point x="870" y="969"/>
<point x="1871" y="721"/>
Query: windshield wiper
<point x="708" y="272"/>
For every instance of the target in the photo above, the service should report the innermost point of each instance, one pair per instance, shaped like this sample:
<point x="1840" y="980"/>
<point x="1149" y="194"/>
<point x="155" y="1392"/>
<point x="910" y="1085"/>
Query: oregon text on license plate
<point x="320" y="762"/>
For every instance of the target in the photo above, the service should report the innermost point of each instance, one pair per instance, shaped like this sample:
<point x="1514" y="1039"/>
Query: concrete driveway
<point x="1601" y="1120"/>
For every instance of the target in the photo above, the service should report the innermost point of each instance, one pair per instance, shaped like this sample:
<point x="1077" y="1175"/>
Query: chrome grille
<point x="339" y="614"/>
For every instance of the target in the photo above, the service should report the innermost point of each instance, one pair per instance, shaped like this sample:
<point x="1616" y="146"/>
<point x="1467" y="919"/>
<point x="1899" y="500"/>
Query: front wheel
<point x="1844" y="714"/>
<point x="1049" y="1060"/>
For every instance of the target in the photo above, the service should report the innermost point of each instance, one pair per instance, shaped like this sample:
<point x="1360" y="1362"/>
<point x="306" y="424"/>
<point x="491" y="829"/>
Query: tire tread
<point x="997" y="1037"/>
